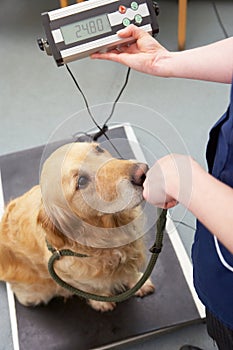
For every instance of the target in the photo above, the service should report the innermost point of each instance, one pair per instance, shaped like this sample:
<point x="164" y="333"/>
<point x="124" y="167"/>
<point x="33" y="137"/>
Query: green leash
<point x="155" y="250"/>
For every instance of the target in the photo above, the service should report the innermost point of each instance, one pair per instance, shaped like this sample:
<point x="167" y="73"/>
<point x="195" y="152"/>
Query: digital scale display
<point x="87" y="28"/>
<point x="78" y="30"/>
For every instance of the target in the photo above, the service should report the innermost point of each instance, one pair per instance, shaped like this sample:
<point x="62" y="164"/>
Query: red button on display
<point x="122" y="9"/>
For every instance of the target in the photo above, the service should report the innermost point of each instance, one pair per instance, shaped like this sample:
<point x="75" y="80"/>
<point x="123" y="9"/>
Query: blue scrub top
<point x="213" y="263"/>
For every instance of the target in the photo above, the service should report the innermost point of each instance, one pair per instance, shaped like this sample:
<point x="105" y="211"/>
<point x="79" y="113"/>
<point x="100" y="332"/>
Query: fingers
<point x="159" y="199"/>
<point x="129" y="32"/>
<point x="110" y="55"/>
<point x="115" y="56"/>
<point x="155" y="185"/>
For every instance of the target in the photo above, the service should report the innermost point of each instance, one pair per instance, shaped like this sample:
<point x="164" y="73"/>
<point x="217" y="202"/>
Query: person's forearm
<point x="212" y="62"/>
<point x="212" y="203"/>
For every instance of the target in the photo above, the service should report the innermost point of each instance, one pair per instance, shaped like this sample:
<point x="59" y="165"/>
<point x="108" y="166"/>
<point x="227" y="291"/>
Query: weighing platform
<point x="75" y="325"/>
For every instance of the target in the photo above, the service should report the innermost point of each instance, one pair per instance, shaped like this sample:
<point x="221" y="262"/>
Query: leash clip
<point x="156" y="250"/>
<point x="53" y="250"/>
<point x="58" y="253"/>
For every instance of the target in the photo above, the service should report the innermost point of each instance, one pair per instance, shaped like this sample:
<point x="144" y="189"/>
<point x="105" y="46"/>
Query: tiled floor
<point x="36" y="97"/>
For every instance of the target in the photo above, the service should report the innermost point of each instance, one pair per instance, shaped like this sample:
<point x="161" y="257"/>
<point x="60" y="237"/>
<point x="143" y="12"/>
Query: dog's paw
<point x="30" y="301"/>
<point x="32" y="295"/>
<point x="147" y="288"/>
<point x="102" y="306"/>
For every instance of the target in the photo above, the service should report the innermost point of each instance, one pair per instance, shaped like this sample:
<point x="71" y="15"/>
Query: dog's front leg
<point x="102" y="306"/>
<point x="146" y="289"/>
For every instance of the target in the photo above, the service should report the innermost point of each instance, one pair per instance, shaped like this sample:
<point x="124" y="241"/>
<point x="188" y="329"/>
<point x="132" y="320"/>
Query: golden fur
<point x="86" y="202"/>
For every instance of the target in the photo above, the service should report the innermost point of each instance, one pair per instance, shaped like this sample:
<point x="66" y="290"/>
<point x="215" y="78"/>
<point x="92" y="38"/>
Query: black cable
<point x="102" y="130"/>
<point x="118" y="97"/>
<point x="184" y="224"/>
<point x="219" y="20"/>
<point x="83" y="96"/>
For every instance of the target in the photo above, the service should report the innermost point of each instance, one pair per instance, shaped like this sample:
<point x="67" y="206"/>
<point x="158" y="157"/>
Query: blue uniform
<point x="213" y="263"/>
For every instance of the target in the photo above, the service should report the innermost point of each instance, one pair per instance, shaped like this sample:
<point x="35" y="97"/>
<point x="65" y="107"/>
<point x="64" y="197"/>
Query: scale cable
<point x="104" y="128"/>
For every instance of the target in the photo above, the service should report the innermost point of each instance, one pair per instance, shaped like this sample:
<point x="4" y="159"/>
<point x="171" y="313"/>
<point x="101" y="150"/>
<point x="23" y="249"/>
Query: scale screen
<point x="85" y="29"/>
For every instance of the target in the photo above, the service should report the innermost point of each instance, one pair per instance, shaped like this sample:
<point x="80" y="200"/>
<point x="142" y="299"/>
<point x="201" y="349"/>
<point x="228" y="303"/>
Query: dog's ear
<point x="60" y="222"/>
<point x="54" y="236"/>
<point x="44" y="220"/>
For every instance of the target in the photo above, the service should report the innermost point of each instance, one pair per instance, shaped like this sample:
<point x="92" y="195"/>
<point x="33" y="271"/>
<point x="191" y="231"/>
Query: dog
<point x="88" y="202"/>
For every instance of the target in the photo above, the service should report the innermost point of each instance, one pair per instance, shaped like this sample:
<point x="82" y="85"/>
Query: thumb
<point x="133" y="31"/>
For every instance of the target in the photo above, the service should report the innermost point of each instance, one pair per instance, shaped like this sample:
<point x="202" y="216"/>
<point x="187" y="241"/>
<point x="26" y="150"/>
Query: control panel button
<point x="138" y="19"/>
<point x="122" y="9"/>
<point x="134" y="5"/>
<point x="126" y="22"/>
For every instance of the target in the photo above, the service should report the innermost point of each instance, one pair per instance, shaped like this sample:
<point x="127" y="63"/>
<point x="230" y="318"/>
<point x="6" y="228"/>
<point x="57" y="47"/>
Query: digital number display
<point x="85" y="29"/>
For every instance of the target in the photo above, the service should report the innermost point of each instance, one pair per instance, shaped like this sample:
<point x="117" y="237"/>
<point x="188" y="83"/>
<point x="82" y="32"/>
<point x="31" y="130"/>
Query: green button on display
<point x="134" y="5"/>
<point x="126" y="22"/>
<point x="138" y="19"/>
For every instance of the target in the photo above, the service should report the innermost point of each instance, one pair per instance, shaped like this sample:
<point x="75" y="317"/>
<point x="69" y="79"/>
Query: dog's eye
<point x="99" y="149"/>
<point x="82" y="182"/>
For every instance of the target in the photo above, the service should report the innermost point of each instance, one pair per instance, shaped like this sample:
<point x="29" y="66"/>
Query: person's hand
<point x="169" y="181"/>
<point x="143" y="55"/>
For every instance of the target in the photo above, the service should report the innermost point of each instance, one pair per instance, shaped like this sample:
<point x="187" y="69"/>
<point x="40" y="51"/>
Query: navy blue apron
<point x="213" y="263"/>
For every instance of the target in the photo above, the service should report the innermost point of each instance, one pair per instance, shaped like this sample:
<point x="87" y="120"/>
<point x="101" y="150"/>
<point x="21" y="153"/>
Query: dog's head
<point x="82" y="182"/>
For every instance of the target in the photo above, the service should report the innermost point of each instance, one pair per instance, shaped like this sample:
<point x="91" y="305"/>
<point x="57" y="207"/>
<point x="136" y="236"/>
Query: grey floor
<point x="38" y="98"/>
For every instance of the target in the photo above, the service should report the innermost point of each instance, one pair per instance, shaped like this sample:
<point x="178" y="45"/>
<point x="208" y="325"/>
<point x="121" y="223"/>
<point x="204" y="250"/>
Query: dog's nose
<point x="138" y="174"/>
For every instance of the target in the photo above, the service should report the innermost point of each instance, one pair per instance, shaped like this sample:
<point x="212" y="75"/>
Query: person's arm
<point x="212" y="62"/>
<point x="177" y="178"/>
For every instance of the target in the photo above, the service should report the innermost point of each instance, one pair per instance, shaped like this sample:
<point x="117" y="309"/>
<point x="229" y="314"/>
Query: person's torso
<point x="213" y="263"/>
